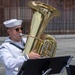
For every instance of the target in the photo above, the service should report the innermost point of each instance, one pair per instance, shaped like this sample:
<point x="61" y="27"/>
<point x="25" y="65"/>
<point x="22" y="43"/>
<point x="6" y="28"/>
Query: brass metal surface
<point x="42" y="14"/>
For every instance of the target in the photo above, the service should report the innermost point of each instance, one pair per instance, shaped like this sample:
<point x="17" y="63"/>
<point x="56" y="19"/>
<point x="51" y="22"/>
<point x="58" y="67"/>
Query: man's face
<point x="14" y="33"/>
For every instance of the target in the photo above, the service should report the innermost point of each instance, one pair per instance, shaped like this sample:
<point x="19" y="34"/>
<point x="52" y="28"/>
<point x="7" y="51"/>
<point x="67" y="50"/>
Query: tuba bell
<point x="42" y="14"/>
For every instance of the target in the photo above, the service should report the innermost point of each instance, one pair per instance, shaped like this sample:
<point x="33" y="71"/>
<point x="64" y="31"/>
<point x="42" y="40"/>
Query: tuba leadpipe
<point x="42" y="14"/>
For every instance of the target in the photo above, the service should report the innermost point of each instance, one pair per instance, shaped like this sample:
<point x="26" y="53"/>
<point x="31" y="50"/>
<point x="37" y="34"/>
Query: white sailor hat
<point x="12" y="23"/>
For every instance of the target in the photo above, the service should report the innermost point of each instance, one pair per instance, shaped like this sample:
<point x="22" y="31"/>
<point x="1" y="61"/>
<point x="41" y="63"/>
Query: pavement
<point x="65" y="47"/>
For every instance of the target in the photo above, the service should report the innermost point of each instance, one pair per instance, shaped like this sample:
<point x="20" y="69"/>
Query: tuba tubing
<point x="42" y="14"/>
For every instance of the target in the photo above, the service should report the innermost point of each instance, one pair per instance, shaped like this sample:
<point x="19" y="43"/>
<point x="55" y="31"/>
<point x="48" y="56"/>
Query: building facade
<point x="19" y="9"/>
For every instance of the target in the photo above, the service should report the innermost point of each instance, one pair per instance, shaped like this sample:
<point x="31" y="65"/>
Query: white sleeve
<point x="9" y="61"/>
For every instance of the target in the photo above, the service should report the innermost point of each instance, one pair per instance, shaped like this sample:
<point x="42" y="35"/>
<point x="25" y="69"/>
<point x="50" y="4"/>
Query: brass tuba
<point x="43" y="13"/>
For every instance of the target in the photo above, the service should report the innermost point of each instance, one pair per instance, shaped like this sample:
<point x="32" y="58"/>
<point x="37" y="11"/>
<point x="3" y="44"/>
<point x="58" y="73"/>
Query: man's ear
<point x="8" y="31"/>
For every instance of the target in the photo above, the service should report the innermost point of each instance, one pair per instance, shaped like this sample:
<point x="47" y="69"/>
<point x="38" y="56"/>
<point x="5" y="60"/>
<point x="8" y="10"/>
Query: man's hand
<point x="33" y="55"/>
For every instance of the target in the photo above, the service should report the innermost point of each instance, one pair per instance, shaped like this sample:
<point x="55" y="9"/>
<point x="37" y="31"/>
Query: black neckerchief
<point x="18" y="46"/>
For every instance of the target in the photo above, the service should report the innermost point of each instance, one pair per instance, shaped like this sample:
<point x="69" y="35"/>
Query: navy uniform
<point x="11" y="55"/>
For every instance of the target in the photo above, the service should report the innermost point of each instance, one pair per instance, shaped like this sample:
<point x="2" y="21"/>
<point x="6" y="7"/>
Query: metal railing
<point x="64" y="24"/>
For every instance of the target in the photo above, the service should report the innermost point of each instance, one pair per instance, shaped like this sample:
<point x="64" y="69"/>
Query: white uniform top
<point x="11" y="56"/>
